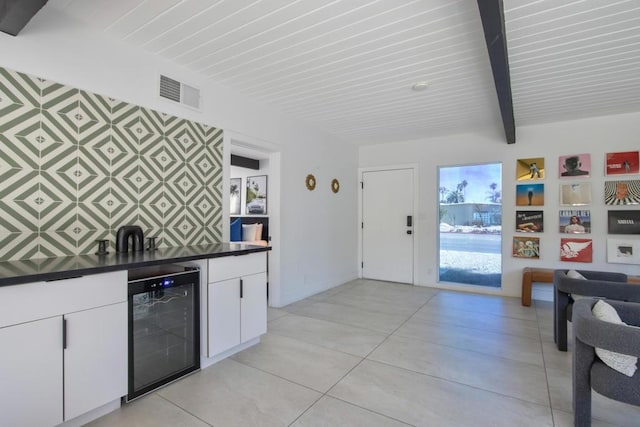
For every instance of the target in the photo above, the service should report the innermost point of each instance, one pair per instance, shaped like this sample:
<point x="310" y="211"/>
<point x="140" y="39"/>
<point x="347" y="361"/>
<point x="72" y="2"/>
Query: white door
<point x="95" y="358"/>
<point x="31" y="374"/>
<point x="224" y="315"/>
<point x="387" y="225"/>
<point x="253" y="306"/>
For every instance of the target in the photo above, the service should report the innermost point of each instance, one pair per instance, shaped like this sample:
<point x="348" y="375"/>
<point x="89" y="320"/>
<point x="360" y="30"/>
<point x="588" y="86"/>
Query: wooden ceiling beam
<point x="15" y="14"/>
<point x="492" y="15"/>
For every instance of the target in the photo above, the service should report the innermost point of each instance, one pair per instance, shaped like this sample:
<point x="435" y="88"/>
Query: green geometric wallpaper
<point x="75" y="166"/>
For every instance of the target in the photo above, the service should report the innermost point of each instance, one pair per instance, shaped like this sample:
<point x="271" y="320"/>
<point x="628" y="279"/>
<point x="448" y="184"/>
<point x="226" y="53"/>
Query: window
<point x="470" y="237"/>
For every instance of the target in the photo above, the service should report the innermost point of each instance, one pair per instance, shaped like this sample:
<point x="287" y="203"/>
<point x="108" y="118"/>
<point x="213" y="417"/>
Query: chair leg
<point x="583" y="357"/>
<point x="560" y="320"/>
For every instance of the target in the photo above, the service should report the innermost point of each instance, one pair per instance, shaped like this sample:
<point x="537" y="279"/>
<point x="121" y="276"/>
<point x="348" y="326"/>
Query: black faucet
<point x="129" y="231"/>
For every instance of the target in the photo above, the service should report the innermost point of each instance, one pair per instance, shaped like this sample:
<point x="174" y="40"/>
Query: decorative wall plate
<point x="310" y="182"/>
<point x="335" y="185"/>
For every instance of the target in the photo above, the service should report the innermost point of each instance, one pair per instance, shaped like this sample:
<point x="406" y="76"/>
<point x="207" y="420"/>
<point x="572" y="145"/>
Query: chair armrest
<point x="604" y="276"/>
<point x="598" y="288"/>
<point x="609" y="336"/>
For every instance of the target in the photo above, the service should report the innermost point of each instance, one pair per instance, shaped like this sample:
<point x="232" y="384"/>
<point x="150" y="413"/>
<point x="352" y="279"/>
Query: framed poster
<point x="620" y="251"/>
<point x="575" y="194"/>
<point x="530" y="221"/>
<point x="575" y="221"/>
<point x="234" y="196"/>
<point x="529" y="194"/>
<point x="256" y="203"/>
<point x="576" y="250"/>
<point x="622" y="192"/>
<point x="532" y="168"/>
<point x="622" y="163"/>
<point x="624" y="222"/>
<point x="526" y="247"/>
<point x="575" y="165"/>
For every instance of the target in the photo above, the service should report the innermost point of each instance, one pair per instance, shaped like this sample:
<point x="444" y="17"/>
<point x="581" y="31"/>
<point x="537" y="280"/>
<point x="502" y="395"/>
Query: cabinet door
<point x="31" y="373"/>
<point x="253" y="305"/>
<point x="95" y="358"/>
<point x="224" y="315"/>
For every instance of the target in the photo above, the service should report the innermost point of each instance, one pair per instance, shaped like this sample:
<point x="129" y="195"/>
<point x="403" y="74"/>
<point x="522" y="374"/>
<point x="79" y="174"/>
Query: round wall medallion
<point x="310" y="182"/>
<point x="335" y="185"/>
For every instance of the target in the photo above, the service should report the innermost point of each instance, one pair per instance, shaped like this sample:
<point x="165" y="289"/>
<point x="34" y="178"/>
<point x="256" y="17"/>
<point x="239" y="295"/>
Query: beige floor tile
<point x="511" y="378"/>
<point x="553" y="358"/>
<point x="306" y="364"/>
<point x="149" y="411"/>
<point x="499" y="306"/>
<point x="377" y="304"/>
<point x="232" y="394"/>
<point x="427" y="401"/>
<point x="482" y="321"/>
<point x="274" y="313"/>
<point x="512" y="347"/>
<point x="353" y="316"/>
<point x="348" y="339"/>
<point x="329" y="412"/>
<point x="565" y="419"/>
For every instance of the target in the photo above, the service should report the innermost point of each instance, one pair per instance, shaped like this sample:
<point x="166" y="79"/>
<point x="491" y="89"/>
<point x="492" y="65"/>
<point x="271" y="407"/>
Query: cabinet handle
<point x="241" y="286"/>
<point x="64" y="333"/>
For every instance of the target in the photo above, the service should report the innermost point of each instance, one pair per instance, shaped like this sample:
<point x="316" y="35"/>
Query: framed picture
<point x="526" y="247"/>
<point x="620" y="251"/>
<point x="530" y="195"/>
<point x="234" y="196"/>
<point x="575" y="194"/>
<point x="624" y="222"/>
<point x="256" y="203"/>
<point x="622" y="163"/>
<point x="622" y="192"/>
<point x="576" y="250"/>
<point x="575" y="221"/>
<point x="574" y="165"/>
<point x="532" y="168"/>
<point x="529" y="221"/>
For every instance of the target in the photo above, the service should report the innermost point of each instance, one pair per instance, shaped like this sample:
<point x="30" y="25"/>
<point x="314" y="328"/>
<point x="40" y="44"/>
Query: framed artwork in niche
<point x="256" y="203"/>
<point x="234" y="196"/>
<point x="532" y="168"/>
<point x="575" y="165"/>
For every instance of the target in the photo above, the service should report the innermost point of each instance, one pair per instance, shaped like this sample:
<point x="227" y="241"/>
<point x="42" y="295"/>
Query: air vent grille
<point x="190" y="96"/>
<point x="169" y="88"/>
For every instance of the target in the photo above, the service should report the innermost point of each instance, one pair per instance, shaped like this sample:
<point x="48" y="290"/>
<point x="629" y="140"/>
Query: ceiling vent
<point x="179" y="92"/>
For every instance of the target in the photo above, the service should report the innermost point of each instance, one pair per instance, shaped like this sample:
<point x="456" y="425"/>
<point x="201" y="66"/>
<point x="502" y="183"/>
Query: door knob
<point x="409" y="232"/>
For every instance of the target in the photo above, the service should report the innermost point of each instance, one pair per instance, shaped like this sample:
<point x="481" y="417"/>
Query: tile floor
<point x="372" y="353"/>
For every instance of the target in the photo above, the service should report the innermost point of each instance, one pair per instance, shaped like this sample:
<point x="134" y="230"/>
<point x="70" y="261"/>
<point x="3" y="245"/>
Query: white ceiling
<point x="347" y="66"/>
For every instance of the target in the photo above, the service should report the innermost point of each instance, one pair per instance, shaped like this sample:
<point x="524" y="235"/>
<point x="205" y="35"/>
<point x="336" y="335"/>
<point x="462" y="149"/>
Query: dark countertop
<point x="43" y="269"/>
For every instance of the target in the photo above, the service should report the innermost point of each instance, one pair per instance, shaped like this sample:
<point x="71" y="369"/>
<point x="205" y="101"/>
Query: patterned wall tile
<point x="18" y="88"/>
<point x="77" y="165"/>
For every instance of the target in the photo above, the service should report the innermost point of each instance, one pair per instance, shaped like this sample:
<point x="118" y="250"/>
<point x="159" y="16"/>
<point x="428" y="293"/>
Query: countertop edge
<point x="117" y="263"/>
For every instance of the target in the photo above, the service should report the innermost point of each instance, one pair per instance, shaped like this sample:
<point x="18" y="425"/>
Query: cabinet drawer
<point x="39" y="300"/>
<point x="236" y="266"/>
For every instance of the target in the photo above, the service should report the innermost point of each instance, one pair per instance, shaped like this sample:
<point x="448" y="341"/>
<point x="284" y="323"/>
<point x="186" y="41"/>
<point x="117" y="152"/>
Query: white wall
<point x="56" y="47"/>
<point x="596" y="136"/>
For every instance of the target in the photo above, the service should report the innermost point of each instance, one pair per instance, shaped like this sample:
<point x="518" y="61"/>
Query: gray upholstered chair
<point x="598" y="284"/>
<point x="589" y="372"/>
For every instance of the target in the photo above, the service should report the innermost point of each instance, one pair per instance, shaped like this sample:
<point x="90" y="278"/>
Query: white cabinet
<point x="64" y="348"/>
<point x="237" y="301"/>
<point x="31" y="374"/>
<point x="95" y="358"/>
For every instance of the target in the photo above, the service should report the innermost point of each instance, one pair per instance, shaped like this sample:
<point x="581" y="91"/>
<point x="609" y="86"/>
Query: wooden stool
<point x="545" y="275"/>
<point x="531" y="275"/>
